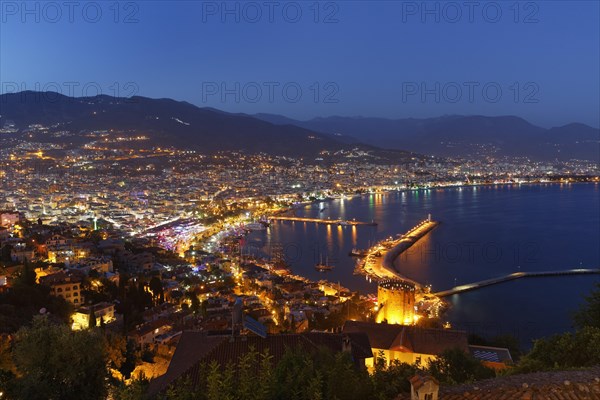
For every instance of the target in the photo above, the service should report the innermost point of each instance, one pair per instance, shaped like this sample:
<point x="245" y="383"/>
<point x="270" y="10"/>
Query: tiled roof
<point x="564" y="385"/>
<point x="410" y="338"/>
<point x="418" y="381"/>
<point x="196" y="348"/>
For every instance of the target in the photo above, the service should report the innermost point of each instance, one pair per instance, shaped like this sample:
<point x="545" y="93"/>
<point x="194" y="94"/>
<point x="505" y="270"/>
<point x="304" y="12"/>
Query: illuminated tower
<point x="396" y="301"/>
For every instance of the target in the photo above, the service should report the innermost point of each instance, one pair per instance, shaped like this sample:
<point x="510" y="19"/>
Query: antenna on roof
<point x="236" y="316"/>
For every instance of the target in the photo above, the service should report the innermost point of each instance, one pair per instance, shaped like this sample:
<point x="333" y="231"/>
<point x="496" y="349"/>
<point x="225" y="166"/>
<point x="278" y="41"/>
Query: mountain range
<point x="458" y="135"/>
<point x="181" y="124"/>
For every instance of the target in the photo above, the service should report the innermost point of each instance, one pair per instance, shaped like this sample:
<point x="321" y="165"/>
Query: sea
<point x="485" y="232"/>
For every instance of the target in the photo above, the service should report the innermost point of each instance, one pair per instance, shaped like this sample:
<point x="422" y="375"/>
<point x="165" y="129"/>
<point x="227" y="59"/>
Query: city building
<point x="22" y="254"/>
<point x="104" y="313"/>
<point x="146" y="334"/>
<point x="9" y="218"/>
<point x="408" y="344"/>
<point x="67" y="286"/>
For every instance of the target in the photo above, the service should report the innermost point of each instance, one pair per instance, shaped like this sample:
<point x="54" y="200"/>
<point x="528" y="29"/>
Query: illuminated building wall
<point x="396" y="302"/>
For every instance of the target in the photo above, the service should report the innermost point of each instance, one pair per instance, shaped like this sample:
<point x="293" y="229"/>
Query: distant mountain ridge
<point x="459" y="135"/>
<point x="182" y="124"/>
<point x="167" y="122"/>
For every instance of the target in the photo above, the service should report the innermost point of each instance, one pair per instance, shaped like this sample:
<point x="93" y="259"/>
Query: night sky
<point x="538" y="60"/>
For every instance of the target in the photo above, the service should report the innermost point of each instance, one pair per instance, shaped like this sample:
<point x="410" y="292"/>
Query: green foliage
<point x="116" y="348"/>
<point x="134" y="391"/>
<point x="156" y="287"/>
<point x="292" y="374"/>
<point x="589" y="314"/>
<point x="342" y="379"/>
<point x="195" y="306"/>
<point x="183" y="390"/>
<point x="506" y="341"/>
<point x="55" y="363"/>
<point x="92" y="318"/>
<point x="566" y="351"/>
<point x="5" y="253"/>
<point x="322" y="374"/>
<point x="455" y="366"/>
<point x="390" y="380"/>
<point x="131" y="357"/>
<point x="213" y="382"/>
<point x="20" y="304"/>
<point x="26" y="275"/>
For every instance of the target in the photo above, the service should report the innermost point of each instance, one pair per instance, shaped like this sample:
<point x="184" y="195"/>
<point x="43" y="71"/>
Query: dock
<point x="513" y="276"/>
<point x="340" y="222"/>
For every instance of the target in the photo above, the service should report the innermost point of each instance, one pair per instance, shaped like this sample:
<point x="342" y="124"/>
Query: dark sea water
<point x="486" y="232"/>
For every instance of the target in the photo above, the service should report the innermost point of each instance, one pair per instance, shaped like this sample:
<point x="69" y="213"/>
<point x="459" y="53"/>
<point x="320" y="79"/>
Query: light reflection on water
<point x="485" y="232"/>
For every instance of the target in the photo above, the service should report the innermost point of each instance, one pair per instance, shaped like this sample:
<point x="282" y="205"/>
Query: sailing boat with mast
<point x="323" y="267"/>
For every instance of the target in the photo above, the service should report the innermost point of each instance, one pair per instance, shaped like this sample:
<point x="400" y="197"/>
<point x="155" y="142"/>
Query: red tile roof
<point x="563" y="385"/>
<point x="196" y="348"/>
<point x="409" y="338"/>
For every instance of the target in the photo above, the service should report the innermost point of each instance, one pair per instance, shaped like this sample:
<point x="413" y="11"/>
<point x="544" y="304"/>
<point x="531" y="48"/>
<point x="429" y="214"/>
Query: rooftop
<point x="561" y="385"/>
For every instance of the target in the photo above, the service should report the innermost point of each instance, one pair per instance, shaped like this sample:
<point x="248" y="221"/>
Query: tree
<point x="182" y="390"/>
<point x="5" y="253"/>
<point x="156" y="287"/>
<point x="213" y="382"/>
<point x="92" y="319"/>
<point x="569" y="350"/>
<point x="195" y="302"/>
<point x="589" y="314"/>
<point x="265" y="377"/>
<point x="19" y="305"/>
<point x="55" y="363"/>
<point x="134" y="391"/>
<point x="390" y="380"/>
<point x="246" y="379"/>
<point x="116" y="348"/>
<point x="455" y="366"/>
<point x="27" y="275"/>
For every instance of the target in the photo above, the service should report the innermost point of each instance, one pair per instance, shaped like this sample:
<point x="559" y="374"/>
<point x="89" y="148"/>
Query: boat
<point x="358" y="253"/>
<point x="324" y="266"/>
<point x="255" y="226"/>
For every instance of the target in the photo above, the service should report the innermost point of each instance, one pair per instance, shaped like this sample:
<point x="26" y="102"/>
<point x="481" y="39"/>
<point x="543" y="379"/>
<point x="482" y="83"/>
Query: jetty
<point x="512" y="277"/>
<point x="379" y="261"/>
<point x="327" y="221"/>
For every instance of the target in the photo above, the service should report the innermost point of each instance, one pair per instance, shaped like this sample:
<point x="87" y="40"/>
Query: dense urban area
<point x="119" y="259"/>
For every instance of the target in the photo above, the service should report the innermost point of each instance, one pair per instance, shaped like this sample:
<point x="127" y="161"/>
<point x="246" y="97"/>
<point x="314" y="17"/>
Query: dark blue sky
<point x="538" y="60"/>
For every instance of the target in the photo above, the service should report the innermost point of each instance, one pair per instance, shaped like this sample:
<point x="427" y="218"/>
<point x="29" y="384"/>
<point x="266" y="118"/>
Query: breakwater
<point x="513" y="276"/>
<point x="379" y="261"/>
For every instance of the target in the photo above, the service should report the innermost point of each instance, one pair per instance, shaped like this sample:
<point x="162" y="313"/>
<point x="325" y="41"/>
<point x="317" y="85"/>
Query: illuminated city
<point x="243" y="242"/>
